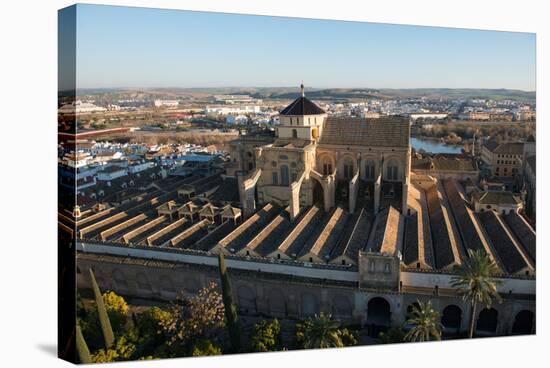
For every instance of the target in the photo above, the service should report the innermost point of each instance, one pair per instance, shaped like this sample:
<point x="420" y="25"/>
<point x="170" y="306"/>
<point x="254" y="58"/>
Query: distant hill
<point x="344" y="94"/>
<point x="322" y="94"/>
<point x="461" y="93"/>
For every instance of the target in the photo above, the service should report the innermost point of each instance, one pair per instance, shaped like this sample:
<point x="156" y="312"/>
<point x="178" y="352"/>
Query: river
<point x="434" y="146"/>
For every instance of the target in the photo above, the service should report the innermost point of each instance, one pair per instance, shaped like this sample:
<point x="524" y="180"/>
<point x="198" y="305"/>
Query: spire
<point x="302" y="88"/>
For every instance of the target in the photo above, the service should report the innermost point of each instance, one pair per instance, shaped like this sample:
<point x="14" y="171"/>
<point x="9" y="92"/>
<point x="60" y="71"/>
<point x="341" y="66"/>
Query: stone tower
<point x="301" y="119"/>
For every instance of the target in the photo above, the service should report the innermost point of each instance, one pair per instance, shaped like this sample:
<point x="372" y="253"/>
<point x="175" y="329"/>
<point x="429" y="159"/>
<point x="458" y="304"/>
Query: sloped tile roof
<point x="471" y="236"/>
<point x="443" y="164"/>
<point x="504" y="148"/>
<point x="490" y="145"/>
<point x="386" y="231"/>
<point x="499" y="197"/>
<point x="230" y="211"/>
<point x="443" y="249"/>
<point x="209" y="210"/>
<point x="410" y="246"/>
<point x="510" y="148"/>
<point x="382" y="132"/>
<point x="502" y="242"/>
<point x="523" y="232"/>
<point x="302" y="106"/>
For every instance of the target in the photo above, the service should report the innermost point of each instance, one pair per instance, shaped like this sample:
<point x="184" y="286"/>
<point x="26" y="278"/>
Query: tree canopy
<point x="425" y="322"/>
<point x="474" y="279"/>
<point x="192" y="319"/>
<point x="323" y="331"/>
<point x="266" y="336"/>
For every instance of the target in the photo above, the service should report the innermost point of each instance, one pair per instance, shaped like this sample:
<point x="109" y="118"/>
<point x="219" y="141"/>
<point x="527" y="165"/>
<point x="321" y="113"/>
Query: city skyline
<point x="148" y="48"/>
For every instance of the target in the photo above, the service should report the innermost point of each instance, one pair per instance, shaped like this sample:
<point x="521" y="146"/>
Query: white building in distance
<point x="238" y="110"/>
<point x="166" y="103"/>
<point x="236" y="119"/>
<point x="79" y="107"/>
<point x="236" y="99"/>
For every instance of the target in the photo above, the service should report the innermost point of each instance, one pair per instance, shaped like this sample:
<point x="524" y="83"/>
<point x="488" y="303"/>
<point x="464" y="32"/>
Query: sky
<point x="148" y="48"/>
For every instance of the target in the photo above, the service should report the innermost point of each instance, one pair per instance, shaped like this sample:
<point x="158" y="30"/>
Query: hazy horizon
<point x="306" y="88"/>
<point x="147" y="48"/>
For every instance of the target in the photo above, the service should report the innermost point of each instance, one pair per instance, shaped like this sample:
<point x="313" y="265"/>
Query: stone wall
<point x="283" y="296"/>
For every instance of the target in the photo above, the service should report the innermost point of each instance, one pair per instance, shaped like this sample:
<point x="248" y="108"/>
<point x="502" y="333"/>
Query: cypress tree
<point x="82" y="347"/>
<point x="231" y="318"/>
<point x="106" y="328"/>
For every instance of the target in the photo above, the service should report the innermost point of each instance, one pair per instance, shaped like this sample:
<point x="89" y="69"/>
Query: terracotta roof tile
<point x="383" y="132"/>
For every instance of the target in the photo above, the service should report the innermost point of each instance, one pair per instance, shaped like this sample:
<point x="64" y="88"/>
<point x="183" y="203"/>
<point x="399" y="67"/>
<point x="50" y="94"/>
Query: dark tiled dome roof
<point x="302" y="106"/>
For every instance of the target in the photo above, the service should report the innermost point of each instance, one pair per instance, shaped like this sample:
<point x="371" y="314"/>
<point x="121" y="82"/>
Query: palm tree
<point x="322" y="332"/>
<point x="474" y="280"/>
<point x="425" y="321"/>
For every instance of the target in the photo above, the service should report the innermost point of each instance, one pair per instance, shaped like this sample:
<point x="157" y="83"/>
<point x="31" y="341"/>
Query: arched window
<point x="277" y="302"/>
<point x="142" y="282"/>
<point x="392" y="170"/>
<point x="378" y="312"/>
<point x="310" y="306"/>
<point x="487" y="320"/>
<point x="348" y="169"/>
<point x="369" y="170"/>
<point x="341" y="306"/>
<point x="284" y="175"/>
<point x="327" y="166"/>
<point x="246" y="299"/>
<point x="523" y="323"/>
<point x="451" y="318"/>
<point x="294" y="133"/>
<point x="411" y="308"/>
<point x="166" y="285"/>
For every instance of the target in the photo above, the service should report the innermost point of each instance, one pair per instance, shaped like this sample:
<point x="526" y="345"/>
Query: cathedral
<point x="329" y="161"/>
<point x="333" y="220"/>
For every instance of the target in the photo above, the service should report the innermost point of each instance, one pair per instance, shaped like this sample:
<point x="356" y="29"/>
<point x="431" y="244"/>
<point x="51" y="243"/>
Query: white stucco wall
<point x="443" y="281"/>
<point x="285" y="269"/>
<point x="408" y="278"/>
